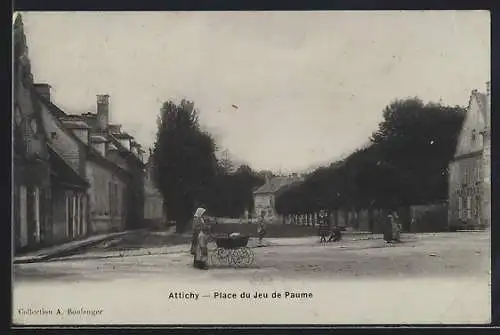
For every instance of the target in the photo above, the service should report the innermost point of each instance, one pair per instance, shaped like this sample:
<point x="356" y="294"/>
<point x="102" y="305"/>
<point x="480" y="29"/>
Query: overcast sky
<point x="310" y="86"/>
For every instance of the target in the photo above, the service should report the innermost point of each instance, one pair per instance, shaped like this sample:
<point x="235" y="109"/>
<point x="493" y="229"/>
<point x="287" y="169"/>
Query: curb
<point x="63" y="252"/>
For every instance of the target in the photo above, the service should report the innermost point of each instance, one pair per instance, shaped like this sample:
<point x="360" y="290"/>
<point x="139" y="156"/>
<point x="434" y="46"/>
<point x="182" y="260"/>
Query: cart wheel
<point x="242" y="256"/>
<point x="237" y="257"/>
<point x="223" y="256"/>
<point x="249" y="256"/>
<point x="214" y="260"/>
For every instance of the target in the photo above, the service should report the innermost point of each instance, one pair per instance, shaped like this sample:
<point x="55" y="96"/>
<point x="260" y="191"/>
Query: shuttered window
<point x="460" y="209"/>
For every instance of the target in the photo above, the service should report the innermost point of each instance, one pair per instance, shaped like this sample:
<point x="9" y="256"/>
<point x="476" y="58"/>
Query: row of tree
<point x="406" y="163"/>
<point x="188" y="173"/>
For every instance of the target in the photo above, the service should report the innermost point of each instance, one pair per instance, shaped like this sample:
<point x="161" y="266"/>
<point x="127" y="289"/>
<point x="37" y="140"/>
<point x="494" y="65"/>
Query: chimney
<point x="102" y="111"/>
<point x="44" y="90"/>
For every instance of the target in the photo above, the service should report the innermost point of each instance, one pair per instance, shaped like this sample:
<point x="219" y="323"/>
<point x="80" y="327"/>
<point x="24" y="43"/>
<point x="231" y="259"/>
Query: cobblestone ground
<point x="438" y="267"/>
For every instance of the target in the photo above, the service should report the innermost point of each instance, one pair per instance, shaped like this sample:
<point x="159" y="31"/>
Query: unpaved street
<point x="434" y="277"/>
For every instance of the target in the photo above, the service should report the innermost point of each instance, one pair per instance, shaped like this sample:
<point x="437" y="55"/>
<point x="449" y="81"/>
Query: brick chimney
<point x="44" y="90"/>
<point x="102" y="111"/>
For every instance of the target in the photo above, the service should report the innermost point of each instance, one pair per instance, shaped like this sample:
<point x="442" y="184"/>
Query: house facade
<point x="265" y="196"/>
<point x="469" y="200"/>
<point x="154" y="209"/>
<point x="69" y="200"/>
<point x="31" y="165"/>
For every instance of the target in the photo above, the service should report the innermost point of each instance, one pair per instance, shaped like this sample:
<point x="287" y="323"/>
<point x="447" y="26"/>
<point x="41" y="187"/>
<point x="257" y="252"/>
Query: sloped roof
<point x="275" y="184"/>
<point x="482" y="100"/>
<point x="122" y="135"/>
<point x="64" y="173"/>
<point x="75" y="124"/>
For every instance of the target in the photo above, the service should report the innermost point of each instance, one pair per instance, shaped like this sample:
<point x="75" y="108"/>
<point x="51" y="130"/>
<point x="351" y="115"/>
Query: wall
<point x="272" y="230"/>
<point x="114" y="156"/>
<point x="107" y="207"/>
<point x="429" y="218"/>
<point x="465" y="191"/>
<point x="82" y="134"/>
<point x="474" y="120"/>
<point x="63" y="143"/>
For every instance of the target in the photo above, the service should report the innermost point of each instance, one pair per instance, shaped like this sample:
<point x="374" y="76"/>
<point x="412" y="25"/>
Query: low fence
<point x="415" y="219"/>
<point x="273" y="230"/>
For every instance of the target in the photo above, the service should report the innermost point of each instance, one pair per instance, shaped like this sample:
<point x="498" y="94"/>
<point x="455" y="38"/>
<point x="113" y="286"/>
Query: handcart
<point x="232" y="250"/>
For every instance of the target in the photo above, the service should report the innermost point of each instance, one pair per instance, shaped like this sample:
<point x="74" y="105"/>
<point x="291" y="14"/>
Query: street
<point x="429" y="278"/>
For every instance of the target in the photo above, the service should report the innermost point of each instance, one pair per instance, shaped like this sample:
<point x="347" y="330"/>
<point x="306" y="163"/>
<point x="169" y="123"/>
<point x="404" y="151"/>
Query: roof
<point x="275" y="184"/>
<point x="92" y="153"/>
<point x="482" y="100"/>
<point x="75" y="124"/>
<point x="121" y="136"/>
<point x="64" y="173"/>
<point x="124" y="151"/>
<point x="98" y="139"/>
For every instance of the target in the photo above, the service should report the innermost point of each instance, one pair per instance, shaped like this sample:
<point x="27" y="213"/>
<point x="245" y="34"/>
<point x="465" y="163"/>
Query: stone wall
<point x="107" y="198"/>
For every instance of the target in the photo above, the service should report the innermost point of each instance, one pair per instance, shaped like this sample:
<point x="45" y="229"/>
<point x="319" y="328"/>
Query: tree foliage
<point x="188" y="173"/>
<point x="185" y="161"/>
<point x="405" y="164"/>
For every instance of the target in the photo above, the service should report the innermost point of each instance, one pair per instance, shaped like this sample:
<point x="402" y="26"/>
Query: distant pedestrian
<point x="198" y="222"/>
<point x="396" y="227"/>
<point x="324" y="228"/>
<point x="261" y="228"/>
<point x="201" y="249"/>
<point x="388" y="229"/>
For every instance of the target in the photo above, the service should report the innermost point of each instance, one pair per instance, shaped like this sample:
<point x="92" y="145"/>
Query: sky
<point x="310" y="87"/>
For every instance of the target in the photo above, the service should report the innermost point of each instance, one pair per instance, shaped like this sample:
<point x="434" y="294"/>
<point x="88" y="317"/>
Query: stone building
<point x="68" y="181"/>
<point x="154" y="209"/>
<point x="31" y="164"/>
<point x="265" y="196"/>
<point x="469" y="201"/>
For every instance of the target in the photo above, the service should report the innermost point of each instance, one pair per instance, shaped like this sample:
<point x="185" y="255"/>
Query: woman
<point x="198" y="222"/>
<point x="261" y="229"/>
<point x="388" y="232"/>
<point x="201" y="250"/>
<point x="396" y="227"/>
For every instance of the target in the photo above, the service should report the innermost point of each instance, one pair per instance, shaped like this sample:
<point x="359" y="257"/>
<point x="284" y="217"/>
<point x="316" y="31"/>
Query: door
<point x="23" y="214"/>
<point x="75" y="217"/>
<point x="84" y="215"/>
<point x="69" y="215"/>
<point x="36" y="211"/>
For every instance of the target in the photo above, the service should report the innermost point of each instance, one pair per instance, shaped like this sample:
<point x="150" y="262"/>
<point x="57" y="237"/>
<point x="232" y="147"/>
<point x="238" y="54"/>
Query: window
<point x="460" y="209"/>
<point x="469" y="207"/>
<point x="473" y="135"/>
<point x="110" y="199"/>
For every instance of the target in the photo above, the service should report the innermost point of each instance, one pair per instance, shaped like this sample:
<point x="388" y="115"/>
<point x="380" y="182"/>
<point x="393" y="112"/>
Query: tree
<point x="405" y="164"/>
<point x="184" y="159"/>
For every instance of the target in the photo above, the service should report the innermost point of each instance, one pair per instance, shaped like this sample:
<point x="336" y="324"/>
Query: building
<point x="154" y="209"/>
<point x="31" y="164"/>
<point x="68" y="155"/>
<point x="469" y="201"/>
<point x="265" y="196"/>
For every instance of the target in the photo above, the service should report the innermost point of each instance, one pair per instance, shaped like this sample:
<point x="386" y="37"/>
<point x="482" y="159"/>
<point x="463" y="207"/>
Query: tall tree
<point x="405" y="164"/>
<point x="184" y="159"/>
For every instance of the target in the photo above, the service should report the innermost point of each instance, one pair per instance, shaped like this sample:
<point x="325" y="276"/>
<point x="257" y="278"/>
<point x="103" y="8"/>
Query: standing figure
<point x="396" y="227"/>
<point x="261" y="229"/>
<point x="201" y="249"/>
<point x="198" y="222"/>
<point x="388" y="229"/>
<point x="324" y="228"/>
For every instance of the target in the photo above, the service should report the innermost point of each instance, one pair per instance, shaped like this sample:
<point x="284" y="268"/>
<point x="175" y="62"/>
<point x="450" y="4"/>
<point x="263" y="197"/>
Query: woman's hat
<point x="199" y="212"/>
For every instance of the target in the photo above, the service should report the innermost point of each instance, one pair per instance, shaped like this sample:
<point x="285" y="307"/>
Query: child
<point x="201" y="250"/>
